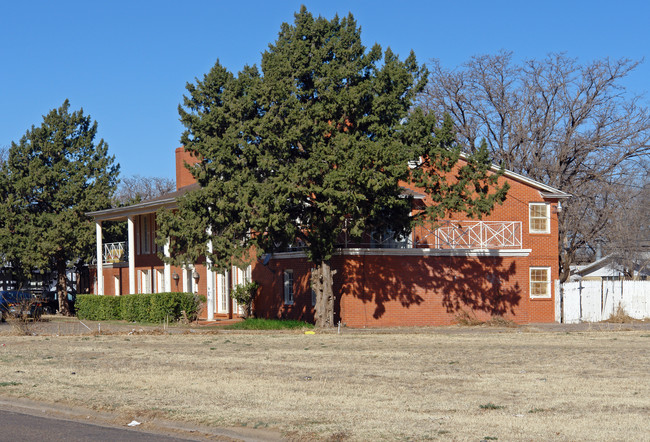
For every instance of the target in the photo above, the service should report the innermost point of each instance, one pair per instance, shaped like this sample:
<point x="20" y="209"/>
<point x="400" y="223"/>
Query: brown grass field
<point x="452" y="383"/>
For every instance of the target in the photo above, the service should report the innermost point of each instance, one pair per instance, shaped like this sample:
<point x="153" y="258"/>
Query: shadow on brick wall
<point x="455" y="284"/>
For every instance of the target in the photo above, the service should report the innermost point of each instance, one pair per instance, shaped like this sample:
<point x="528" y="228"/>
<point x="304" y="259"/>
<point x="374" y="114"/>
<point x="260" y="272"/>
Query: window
<point x="539" y="215"/>
<point x="160" y="281"/>
<point x="188" y="283"/>
<point x="145" y="281"/>
<point x="288" y="286"/>
<point x="540" y="282"/>
<point x="145" y="234"/>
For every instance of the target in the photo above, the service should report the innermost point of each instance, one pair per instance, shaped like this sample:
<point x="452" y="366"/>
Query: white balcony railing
<point x="448" y="235"/>
<point x="115" y="252"/>
<point x="469" y="235"/>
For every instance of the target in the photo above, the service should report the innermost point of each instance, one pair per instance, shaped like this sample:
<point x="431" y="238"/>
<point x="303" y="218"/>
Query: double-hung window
<point x="288" y="286"/>
<point x="540" y="282"/>
<point x="539" y="218"/>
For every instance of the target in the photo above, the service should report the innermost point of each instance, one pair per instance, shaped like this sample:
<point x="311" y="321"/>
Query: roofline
<point x="595" y="265"/>
<point x="168" y="200"/>
<point x="119" y="213"/>
<point x="546" y="190"/>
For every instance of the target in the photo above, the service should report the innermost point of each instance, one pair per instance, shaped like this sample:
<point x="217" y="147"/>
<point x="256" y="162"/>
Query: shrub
<point x="98" y="308"/>
<point x="244" y="295"/>
<point x="154" y="307"/>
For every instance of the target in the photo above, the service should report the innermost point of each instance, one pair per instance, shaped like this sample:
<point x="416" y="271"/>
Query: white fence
<point x="593" y="301"/>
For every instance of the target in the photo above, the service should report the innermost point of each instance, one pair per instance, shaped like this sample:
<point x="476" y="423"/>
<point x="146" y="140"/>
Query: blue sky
<point x="127" y="62"/>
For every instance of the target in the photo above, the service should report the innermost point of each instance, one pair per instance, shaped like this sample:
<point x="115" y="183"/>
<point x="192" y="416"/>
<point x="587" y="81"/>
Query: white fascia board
<point x="415" y="252"/>
<point x="120" y="213"/>
<point x="546" y="190"/>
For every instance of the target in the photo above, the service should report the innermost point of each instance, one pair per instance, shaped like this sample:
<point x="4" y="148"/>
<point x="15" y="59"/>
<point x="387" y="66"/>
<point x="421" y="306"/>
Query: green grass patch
<point x="268" y="324"/>
<point x="9" y="384"/>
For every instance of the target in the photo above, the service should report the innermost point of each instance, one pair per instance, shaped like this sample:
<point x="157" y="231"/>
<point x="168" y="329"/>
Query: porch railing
<point x="115" y="252"/>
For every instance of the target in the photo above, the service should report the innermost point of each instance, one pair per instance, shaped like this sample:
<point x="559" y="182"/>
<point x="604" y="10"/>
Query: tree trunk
<point x="62" y="286"/>
<point x="322" y="282"/>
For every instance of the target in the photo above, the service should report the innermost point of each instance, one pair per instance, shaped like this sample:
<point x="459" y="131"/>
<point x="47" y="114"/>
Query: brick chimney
<point x="183" y="176"/>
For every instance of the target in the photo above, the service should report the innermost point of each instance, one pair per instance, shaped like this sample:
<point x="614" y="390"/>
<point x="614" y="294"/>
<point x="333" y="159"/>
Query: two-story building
<point x="503" y="265"/>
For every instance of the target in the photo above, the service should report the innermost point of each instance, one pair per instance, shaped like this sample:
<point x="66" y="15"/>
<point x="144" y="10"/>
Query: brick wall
<point x="402" y="290"/>
<point x="183" y="176"/>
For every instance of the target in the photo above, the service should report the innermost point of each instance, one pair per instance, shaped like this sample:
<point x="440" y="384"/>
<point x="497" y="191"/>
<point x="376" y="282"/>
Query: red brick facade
<point x="420" y="285"/>
<point x="183" y="176"/>
<point x="411" y="287"/>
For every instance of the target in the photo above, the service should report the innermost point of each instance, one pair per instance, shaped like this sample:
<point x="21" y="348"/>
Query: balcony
<point x="449" y="235"/>
<point x="115" y="252"/>
<point x="469" y="235"/>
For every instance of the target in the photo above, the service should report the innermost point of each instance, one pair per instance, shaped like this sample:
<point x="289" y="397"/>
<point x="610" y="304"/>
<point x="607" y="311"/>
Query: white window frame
<point x="189" y="284"/>
<point x="116" y="283"/>
<point x="547" y="282"/>
<point x="160" y="280"/>
<point x="222" y="292"/>
<point x="144" y="277"/>
<point x="288" y="287"/>
<point x="547" y="218"/>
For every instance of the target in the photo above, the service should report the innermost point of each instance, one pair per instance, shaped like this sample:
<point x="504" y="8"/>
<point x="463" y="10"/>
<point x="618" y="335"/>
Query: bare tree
<point x="569" y="125"/>
<point x="627" y="235"/>
<point x="138" y="188"/>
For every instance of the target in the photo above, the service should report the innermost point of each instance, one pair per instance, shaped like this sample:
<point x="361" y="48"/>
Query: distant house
<point x="502" y="265"/>
<point x="607" y="269"/>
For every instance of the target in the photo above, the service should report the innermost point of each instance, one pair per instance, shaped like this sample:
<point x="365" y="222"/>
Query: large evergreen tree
<point x="52" y="177"/>
<point x="313" y="146"/>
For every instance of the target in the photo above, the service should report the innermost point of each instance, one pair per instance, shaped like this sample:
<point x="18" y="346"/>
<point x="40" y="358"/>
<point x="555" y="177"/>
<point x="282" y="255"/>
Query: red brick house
<point x="134" y="266"/>
<point x="502" y="265"/>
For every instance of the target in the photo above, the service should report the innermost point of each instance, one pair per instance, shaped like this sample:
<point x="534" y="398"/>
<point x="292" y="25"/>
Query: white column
<point x="100" y="258"/>
<point x="227" y="276"/>
<point x="131" y="226"/>
<point x="210" y="284"/>
<point x="168" y="269"/>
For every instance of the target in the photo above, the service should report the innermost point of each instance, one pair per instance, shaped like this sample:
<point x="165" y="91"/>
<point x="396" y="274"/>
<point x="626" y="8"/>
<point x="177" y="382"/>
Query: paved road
<point x="24" y="427"/>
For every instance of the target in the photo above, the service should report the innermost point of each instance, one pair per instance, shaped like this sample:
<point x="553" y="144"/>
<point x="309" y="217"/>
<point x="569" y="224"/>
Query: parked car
<point x="20" y="304"/>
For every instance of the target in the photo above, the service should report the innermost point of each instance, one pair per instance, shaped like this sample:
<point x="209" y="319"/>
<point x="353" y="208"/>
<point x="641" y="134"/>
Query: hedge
<point x="150" y="307"/>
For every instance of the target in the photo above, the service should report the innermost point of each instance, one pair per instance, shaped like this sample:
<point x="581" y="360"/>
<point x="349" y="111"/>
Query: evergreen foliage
<point x="51" y="178"/>
<point x="152" y="307"/>
<point x="312" y="146"/>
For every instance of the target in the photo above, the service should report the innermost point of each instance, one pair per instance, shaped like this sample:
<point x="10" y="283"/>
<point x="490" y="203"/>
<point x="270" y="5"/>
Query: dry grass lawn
<point x="450" y="384"/>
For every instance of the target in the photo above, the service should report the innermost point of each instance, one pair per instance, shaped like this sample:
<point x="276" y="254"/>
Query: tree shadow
<point x="478" y="284"/>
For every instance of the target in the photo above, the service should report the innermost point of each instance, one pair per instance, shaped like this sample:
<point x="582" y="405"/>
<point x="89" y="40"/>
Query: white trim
<point x="168" y="268"/>
<point x="414" y="252"/>
<point x="131" y="229"/>
<point x="160" y="281"/>
<point x="548" y="282"/>
<point x="545" y="190"/>
<point x="100" y="258"/>
<point x="134" y="210"/>
<point x="547" y="217"/>
<point x="288" y="287"/>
